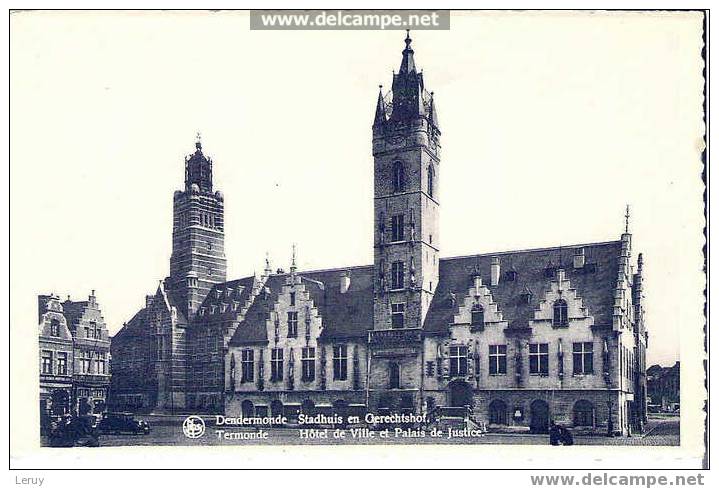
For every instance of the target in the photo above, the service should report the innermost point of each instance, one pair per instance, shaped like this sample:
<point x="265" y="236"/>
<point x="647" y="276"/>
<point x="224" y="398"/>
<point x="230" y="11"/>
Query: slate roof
<point x="595" y="288"/>
<point x="73" y="311"/>
<point x="350" y="315"/>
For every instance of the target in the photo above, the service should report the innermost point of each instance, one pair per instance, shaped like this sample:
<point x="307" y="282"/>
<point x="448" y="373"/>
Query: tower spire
<point x="407" y="65"/>
<point x="380" y="113"/>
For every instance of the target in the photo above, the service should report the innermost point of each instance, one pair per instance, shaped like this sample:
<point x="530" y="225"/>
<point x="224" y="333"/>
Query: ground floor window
<point x="498" y="412"/>
<point x="583" y="413"/>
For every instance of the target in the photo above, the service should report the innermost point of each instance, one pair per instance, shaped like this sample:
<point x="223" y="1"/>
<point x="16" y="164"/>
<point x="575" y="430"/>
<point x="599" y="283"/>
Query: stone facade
<point x="74" y="356"/>
<point x="516" y="338"/>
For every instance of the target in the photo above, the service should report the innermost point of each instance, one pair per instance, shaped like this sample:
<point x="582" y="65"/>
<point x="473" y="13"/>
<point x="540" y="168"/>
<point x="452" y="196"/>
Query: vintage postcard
<point x="416" y="234"/>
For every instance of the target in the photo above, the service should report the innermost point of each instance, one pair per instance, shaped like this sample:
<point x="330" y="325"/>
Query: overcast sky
<point x="551" y="124"/>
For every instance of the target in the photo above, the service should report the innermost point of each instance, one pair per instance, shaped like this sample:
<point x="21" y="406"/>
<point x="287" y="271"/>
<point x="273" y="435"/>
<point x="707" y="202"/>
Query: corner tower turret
<point x="198" y="235"/>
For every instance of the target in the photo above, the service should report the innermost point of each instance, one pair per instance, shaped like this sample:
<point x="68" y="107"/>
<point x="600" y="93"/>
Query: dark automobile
<point x="74" y="432"/>
<point x="123" y="423"/>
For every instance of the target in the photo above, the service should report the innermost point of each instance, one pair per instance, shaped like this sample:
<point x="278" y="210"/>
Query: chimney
<point x="344" y="281"/>
<point x="578" y="258"/>
<point x="494" y="271"/>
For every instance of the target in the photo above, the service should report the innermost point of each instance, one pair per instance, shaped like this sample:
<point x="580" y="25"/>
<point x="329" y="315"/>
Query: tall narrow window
<point x="339" y="362"/>
<point x="397" y="315"/>
<point x="85" y="362"/>
<point x="539" y="358"/>
<point x="55" y="327"/>
<point x="398" y="227"/>
<point x="398" y="183"/>
<point x="497" y="359"/>
<point x="583" y="358"/>
<point x="430" y="181"/>
<point x="292" y="324"/>
<point x="398" y="275"/>
<point x="477" y="315"/>
<point x="248" y="366"/>
<point x="293" y="298"/>
<point x="394" y="374"/>
<point x="308" y="364"/>
<point x="62" y="363"/>
<point x="277" y="365"/>
<point x="46" y="365"/>
<point x="457" y="361"/>
<point x="560" y="313"/>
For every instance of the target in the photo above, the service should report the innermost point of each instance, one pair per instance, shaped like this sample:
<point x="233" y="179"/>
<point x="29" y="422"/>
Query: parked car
<point x="71" y="431"/>
<point x="123" y="423"/>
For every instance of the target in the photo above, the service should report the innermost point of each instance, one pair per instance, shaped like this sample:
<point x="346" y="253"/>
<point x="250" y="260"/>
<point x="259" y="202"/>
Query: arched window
<point x="477" y="315"/>
<point x="583" y="413"/>
<point x="497" y="412"/>
<point x="393" y="375"/>
<point x="560" y="313"/>
<point x="248" y="409"/>
<point x="430" y="181"/>
<point x="398" y="182"/>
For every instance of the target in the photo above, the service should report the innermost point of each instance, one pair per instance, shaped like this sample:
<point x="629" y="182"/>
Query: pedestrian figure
<point x="565" y="436"/>
<point x="554" y="434"/>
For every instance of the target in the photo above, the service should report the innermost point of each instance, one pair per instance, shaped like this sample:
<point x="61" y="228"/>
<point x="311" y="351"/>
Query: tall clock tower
<point x="406" y="150"/>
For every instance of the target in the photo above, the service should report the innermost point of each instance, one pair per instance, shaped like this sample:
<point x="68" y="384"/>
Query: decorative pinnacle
<point x="626" y="220"/>
<point x="408" y="40"/>
<point x="293" y="267"/>
<point x="198" y="140"/>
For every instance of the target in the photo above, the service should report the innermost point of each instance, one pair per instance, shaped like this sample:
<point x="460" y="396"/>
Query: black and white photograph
<point x="310" y="230"/>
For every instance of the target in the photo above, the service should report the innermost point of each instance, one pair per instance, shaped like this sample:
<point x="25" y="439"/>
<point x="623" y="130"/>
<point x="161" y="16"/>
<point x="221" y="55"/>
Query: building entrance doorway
<point x="460" y="394"/>
<point x="539" y="417"/>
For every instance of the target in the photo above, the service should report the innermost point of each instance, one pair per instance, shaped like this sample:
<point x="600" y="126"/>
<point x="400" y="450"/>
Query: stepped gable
<point x="73" y="311"/>
<point x="344" y="316"/>
<point x="348" y="315"/>
<point x="596" y="288"/>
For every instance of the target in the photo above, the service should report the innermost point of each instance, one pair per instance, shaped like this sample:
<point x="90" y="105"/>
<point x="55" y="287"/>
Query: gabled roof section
<point x="596" y="287"/>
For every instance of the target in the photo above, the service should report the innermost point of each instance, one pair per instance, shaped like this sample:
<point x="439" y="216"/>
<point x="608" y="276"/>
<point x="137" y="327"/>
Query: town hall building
<point x="515" y="338"/>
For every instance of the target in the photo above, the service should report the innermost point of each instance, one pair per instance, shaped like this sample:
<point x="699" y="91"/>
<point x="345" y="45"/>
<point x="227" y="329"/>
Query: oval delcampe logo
<point x="193" y="426"/>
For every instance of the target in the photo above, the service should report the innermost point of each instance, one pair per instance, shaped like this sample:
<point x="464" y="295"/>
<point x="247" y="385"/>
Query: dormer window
<point x="477" y="315"/>
<point x="398" y="181"/>
<point x="560" y="317"/>
<point x="510" y="275"/>
<point x="550" y="271"/>
<point x="590" y="267"/>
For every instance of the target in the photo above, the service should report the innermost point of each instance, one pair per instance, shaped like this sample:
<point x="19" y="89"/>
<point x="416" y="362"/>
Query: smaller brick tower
<point x="198" y="238"/>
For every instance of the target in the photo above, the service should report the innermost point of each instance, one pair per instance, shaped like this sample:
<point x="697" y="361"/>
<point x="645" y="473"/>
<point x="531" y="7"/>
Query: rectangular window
<point x="46" y="365"/>
<point x="293" y="298"/>
<point x="292" y="324"/>
<point x="583" y="358"/>
<point x="339" y="362"/>
<point x="497" y="359"/>
<point x="457" y="361"/>
<point x="248" y="366"/>
<point x="277" y="365"/>
<point x="62" y="363"/>
<point x="398" y="227"/>
<point x="398" y="315"/>
<point x="308" y="364"/>
<point x="398" y="275"/>
<point x="539" y="358"/>
<point x="85" y="362"/>
<point x="55" y="327"/>
<point x="99" y="364"/>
